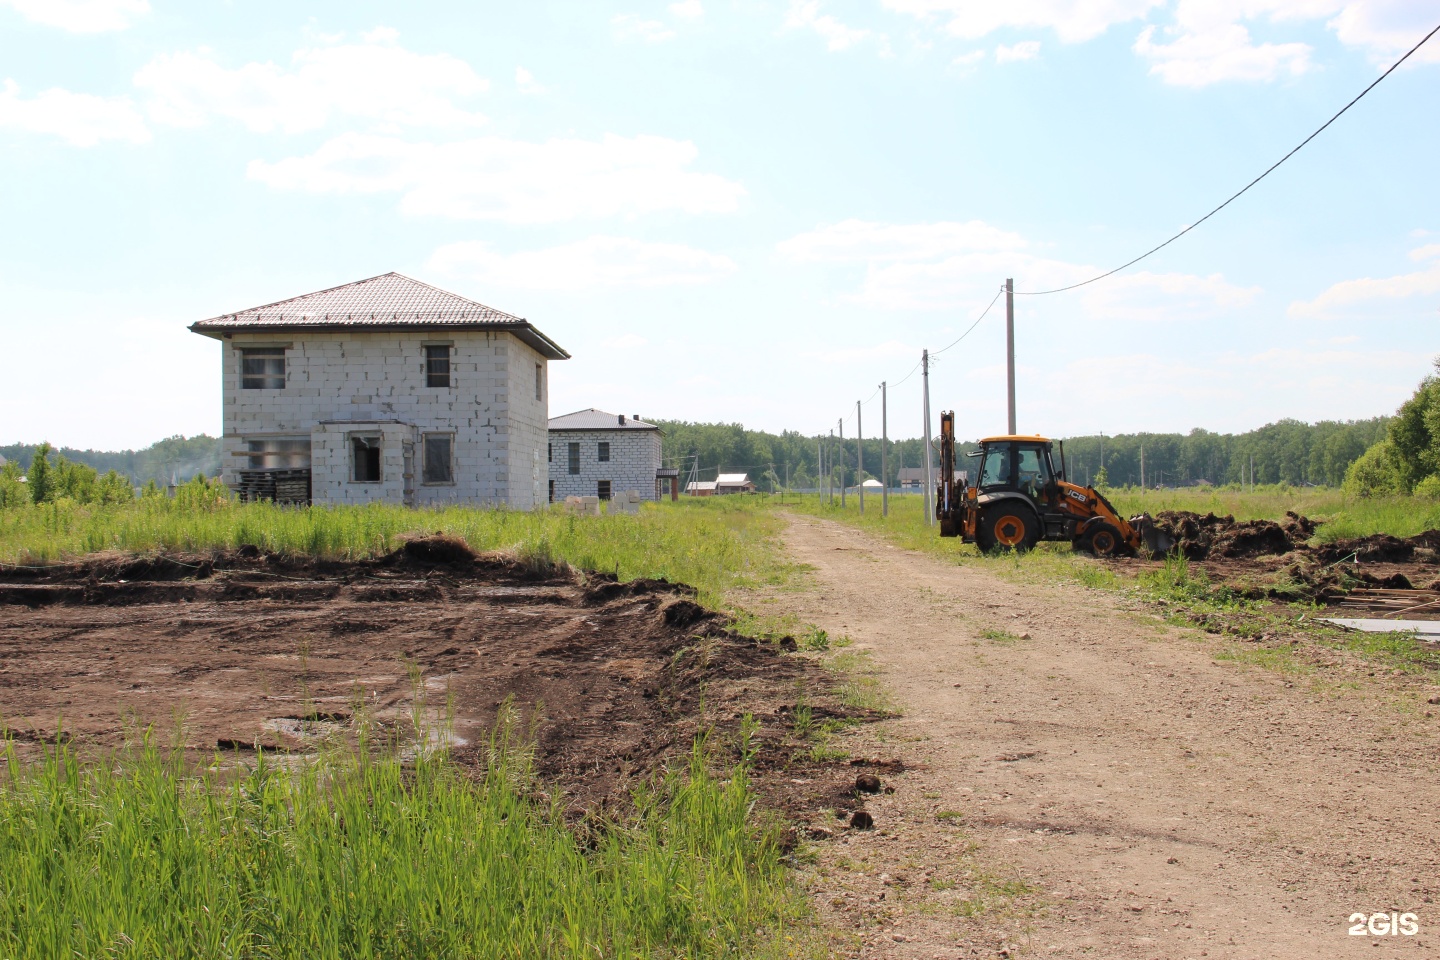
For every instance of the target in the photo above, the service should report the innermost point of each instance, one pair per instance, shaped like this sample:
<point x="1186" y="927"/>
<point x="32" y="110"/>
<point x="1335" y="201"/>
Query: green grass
<point x="357" y="855"/>
<point x="715" y="546"/>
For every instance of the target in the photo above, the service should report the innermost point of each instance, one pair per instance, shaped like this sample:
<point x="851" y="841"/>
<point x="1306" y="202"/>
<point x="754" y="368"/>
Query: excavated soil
<point x="239" y="651"/>
<point x="1268" y="559"/>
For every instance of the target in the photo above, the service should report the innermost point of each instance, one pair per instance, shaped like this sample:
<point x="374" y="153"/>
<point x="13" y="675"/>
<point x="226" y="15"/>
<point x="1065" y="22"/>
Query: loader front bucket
<point x="1157" y="541"/>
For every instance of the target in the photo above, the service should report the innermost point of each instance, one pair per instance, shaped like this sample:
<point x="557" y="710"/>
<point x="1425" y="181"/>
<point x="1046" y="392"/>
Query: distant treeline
<point x="1285" y="452"/>
<point x="178" y="457"/>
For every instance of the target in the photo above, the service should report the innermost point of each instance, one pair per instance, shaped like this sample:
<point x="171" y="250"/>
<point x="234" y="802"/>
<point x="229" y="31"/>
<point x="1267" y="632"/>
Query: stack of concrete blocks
<point x="583" y="506"/>
<point x="627" y="502"/>
<point x="339" y="383"/>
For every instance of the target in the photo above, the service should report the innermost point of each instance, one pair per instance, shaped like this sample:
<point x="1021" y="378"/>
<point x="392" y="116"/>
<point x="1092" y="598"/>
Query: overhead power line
<point x="1131" y="263"/>
<point x="972" y="326"/>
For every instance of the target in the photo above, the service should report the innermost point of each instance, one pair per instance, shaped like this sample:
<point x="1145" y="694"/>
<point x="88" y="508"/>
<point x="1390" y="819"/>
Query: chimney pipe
<point x="622" y="419"/>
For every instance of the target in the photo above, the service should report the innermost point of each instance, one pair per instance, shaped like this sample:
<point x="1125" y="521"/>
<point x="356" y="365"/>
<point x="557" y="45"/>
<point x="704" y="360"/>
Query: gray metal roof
<point x="387" y="301"/>
<point x="593" y="419"/>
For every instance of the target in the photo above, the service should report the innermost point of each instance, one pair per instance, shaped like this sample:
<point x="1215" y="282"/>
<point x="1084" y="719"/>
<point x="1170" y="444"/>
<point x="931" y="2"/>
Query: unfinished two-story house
<point x="388" y="390"/>
<point x="599" y="454"/>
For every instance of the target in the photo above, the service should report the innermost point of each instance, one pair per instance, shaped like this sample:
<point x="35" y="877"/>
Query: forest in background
<point x="1285" y="452"/>
<point x="178" y="458"/>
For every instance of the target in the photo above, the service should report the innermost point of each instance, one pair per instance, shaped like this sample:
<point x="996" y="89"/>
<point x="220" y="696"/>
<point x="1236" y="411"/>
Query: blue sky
<point x="733" y="210"/>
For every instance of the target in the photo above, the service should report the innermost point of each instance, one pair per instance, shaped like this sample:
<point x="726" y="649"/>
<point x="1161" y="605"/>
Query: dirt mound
<point x="1376" y="548"/>
<point x="1202" y="537"/>
<point x="618" y="677"/>
<point x="438" y="550"/>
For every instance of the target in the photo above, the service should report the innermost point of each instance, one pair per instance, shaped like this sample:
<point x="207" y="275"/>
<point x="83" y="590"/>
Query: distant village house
<point x="723" y="484"/>
<point x="384" y="390"/>
<point x="597" y="454"/>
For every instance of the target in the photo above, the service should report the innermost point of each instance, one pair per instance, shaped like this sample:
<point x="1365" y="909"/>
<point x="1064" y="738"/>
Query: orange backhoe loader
<point x="1019" y="498"/>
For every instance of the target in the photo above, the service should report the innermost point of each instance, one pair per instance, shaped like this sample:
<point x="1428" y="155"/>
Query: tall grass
<point x="714" y="546"/>
<point x="355" y="855"/>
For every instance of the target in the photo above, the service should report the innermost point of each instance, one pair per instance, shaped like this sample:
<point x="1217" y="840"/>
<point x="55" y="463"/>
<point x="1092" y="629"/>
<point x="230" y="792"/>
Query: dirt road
<point x="1096" y="784"/>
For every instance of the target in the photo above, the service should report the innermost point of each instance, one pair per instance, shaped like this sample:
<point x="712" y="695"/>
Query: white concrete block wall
<point x="528" y="427"/>
<point x="634" y="458"/>
<point x="372" y="376"/>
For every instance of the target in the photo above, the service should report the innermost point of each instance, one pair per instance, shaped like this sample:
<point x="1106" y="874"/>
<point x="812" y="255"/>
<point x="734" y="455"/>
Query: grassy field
<point x="136" y="856"/>
<point x="357" y="855"/>
<point x="715" y="546"/>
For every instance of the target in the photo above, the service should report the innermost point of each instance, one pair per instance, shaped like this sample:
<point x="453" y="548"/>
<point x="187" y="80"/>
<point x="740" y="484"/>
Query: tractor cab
<point x="1010" y="465"/>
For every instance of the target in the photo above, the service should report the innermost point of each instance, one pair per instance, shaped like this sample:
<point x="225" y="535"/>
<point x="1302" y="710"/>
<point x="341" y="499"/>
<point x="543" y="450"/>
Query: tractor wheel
<point x="1007" y="528"/>
<point x="1102" y="540"/>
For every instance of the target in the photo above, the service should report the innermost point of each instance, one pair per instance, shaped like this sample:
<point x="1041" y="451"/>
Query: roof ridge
<point x="360" y="283"/>
<point x="315" y="293"/>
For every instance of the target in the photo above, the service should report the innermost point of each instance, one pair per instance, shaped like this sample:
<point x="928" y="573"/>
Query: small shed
<point x="700" y="488"/>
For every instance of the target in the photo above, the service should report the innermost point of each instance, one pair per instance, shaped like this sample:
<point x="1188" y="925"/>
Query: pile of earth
<point x="1211" y="537"/>
<point x="1203" y="537"/>
<point x="615" y="679"/>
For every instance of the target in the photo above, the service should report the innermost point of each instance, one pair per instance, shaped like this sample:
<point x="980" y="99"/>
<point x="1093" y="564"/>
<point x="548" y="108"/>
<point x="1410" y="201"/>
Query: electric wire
<point x="972" y="326"/>
<point x="1131" y="263"/>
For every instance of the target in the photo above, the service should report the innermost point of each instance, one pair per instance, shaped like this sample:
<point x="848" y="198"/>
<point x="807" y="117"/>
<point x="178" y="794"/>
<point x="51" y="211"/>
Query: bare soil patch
<point x="240" y="651"/>
<point x="1083" y="780"/>
<point x="1262" y="559"/>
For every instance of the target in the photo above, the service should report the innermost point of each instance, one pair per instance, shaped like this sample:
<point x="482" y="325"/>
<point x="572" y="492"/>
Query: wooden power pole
<point x="1010" y="349"/>
<point x="929" y="471"/>
<point x="859" y="457"/>
<point x="884" y="460"/>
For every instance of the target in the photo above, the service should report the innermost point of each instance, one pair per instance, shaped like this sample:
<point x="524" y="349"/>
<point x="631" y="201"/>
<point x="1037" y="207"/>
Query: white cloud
<point x="1226" y="52"/>
<point x="1025" y="50"/>
<point x="1184" y="296"/>
<point x="589" y="264"/>
<point x="869" y="353"/>
<point x="512" y="181"/>
<point x="525" y="81"/>
<point x="805" y="14"/>
<point x="687" y="10"/>
<point x="861" y="240"/>
<point x="631" y="26"/>
<point x="967" y="62"/>
<point x="1072" y="20"/>
<point x="1208" y="40"/>
<point x="950" y="265"/>
<point x="1340" y="297"/>
<point x="373" y="80"/>
<point x="81" y="16"/>
<point x="82" y="119"/>
<point x="1387" y="28"/>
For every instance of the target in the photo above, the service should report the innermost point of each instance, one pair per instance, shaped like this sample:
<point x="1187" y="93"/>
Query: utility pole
<point x="929" y="470"/>
<point x="884" y="461"/>
<point x="830" y="469"/>
<point x="819" y="464"/>
<point x="842" y="462"/>
<point x="860" y="457"/>
<point x="1010" y="348"/>
<point x="1142" y="469"/>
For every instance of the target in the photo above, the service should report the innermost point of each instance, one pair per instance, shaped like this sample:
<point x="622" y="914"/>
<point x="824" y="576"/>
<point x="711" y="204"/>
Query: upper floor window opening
<point x="262" y="368"/>
<point x="437" y="365"/>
